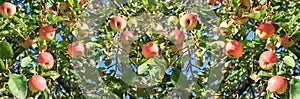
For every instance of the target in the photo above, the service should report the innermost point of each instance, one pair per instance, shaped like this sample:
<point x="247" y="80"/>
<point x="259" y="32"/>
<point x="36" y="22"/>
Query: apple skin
<point x="8" y="10"/>
<point x="265" y="30"/>
<point x="233" y="49"/>
<point x="173" y="20"/>
<point x="277" y="84"/>
<point x="76" y="50"/>
<point x="286" y="41"/>
<point x="267" y="59"/>
<point x="188" y="21"/>
<point x="150" y="49"/>
<point x="47" y="32"/>
<point x="27" y="43"/>
<point x="177" y="37"/>
<point x="46" y="60"/>
<point x="37" y="83"/>
<point x="117" y="23"/>
<point x="125" y="37"/>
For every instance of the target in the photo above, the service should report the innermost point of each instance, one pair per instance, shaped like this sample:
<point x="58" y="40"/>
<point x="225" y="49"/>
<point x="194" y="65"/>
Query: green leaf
<point x="254" y="15"/>
<point x="175" y="76"/>
<point x="21" y="22"/>
<point x="6" y="50"/>
<point x="2" y="66"/>
<point x="289" y="61"/>
<point x="18" y="86"/>
<point x="143" y="68"/>
<point x="26" y="61"/>
<point x="295" y="88"/>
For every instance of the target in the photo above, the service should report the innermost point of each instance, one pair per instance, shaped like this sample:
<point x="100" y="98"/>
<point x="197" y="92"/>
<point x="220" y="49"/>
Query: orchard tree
<point x="149" y="49"/>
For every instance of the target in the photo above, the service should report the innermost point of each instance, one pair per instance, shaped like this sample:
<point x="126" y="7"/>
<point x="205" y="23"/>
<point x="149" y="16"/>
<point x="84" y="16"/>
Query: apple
<point x="76" y="50"/>
<point x="27" y="43"/>
<point x="177" y="37"/>
<point x="265" y="30"/>
<point x="46" y="60"/>
<point x="8" y="10"/>
<point x="188" y="21"/>
<point x="233" y="49"/>
<point x="150" y="49"/>
<point x="125" y="37"/>
<point x="270" y="47"/>
<point x="286" y="41"/>
<point x="173" y="20"/>
<point x="37" y="83"/>
<point x="47" y="32"/>
<point x="71" y="20"/>
<point x="117" y="23"/>
<point x="277" y="84"/>
<point x="267" y="59"/>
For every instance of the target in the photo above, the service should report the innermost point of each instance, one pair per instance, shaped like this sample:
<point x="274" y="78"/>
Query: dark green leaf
<point x="6" y="50"/>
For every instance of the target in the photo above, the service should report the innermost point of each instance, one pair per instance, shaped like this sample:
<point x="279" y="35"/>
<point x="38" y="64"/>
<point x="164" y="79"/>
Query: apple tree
<point x="149" y="49"/>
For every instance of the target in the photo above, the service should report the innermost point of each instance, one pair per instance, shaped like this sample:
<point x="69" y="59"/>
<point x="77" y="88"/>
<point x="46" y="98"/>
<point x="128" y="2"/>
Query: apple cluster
<point x="188" y="21"/>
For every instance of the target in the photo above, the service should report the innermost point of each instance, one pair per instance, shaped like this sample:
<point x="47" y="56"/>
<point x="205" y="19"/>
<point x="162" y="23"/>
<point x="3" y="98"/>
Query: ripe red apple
<point x="27" y="43"/>
<point x="267" y="59"/>
<point x="125" y="37"/>
<point x="8" y="10"/>
<point x="265" y="30"/>
<point x="286" y="41"/>
<point x="71" y="20"/>
<point x="150" y="49"/>
<point x="188" y="21"/>
<point x="233" y="49"/>
<point x="173" y="20"/>
<point x="277" y="84"/>
<point x="177" y="37"/>
<point x="37" y="83"/>
<point x="117" y="23"/>
<point x="47" y="32"/>
<point x="46" y="60"/>
<point x="76" y="50"/>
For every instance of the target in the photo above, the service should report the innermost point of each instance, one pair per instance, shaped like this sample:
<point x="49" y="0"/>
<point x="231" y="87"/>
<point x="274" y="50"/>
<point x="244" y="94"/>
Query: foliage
<point x="200" y="69"/>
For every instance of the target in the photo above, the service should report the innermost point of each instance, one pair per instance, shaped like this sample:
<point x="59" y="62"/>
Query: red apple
<point x="71" y="20"/>
<point x="286" y="41"/>
<point x="37" y="83"/>
<point x="277" y="84"/>
<point x="267" y="59"/>
<point x="76" y="50"/>
<point x="125" y="37"/>
<point x="46" y="60"/>
<point x="233" y="49"/>
<point x="27" y="43"/>
<point x="47" y="32"/>
<point x="188" y="21"/>
<point x="265" y="30"/>
<point x="173" y="20"/>
<point x="177" y="37"/>
<point x="150" y="49"/>
<point x="117" y="23"/>
<point x="8" y="10"/>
